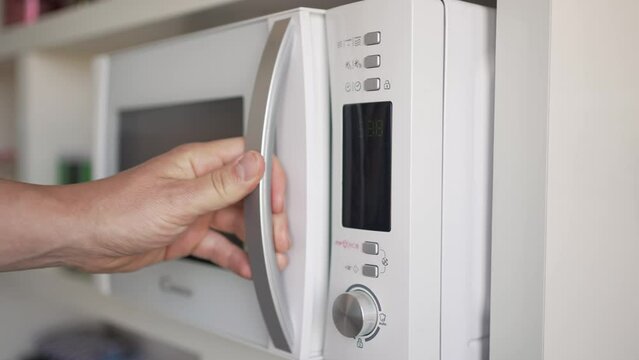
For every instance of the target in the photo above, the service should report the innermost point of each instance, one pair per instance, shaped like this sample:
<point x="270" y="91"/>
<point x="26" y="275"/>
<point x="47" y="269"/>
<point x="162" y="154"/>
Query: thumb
<point x="227" y="185"/>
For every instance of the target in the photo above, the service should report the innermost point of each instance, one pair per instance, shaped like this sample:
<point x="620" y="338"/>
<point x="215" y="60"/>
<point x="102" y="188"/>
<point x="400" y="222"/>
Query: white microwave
<point x="381" y="113"/>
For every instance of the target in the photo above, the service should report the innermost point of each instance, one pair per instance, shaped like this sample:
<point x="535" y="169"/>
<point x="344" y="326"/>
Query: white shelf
<point x="100" y="22"/>
<point x="107" y="25"/>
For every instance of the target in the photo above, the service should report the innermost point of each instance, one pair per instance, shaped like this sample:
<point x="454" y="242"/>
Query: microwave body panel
<point x="222" y="63"/>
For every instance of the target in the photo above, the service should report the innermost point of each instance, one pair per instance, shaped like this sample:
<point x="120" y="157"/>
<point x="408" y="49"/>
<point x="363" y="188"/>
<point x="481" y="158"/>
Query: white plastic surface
<point x="218" y="64"/>
<point x="467" y="180"/>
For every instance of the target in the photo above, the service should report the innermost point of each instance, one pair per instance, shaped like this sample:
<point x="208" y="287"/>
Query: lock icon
<point x="387" y="85"/>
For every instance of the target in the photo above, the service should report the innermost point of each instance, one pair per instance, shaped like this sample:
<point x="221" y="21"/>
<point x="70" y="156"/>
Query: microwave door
<point x="275" y="83"/>
<point x="260" y="136"/>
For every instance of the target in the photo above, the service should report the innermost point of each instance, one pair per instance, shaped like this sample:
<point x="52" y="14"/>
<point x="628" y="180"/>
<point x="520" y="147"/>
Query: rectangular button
<point x="372" y="84"/>
<point x="370" y="270"/>
<point x="373" y="38"/>
<point x="370" y="248"/>
<point x="372" y="61"/>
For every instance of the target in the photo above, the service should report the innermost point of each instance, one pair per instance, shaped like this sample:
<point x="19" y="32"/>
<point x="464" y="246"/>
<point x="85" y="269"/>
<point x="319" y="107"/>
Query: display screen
<point x="146" y="133"/>
<point x="366" y="183"/>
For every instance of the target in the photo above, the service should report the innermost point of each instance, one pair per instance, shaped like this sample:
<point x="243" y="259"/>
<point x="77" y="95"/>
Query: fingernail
<point x="248" y="166"/>
<point x="286" y="239"/>
<point x="246" y="272"/>
<point x="282" y="261"/>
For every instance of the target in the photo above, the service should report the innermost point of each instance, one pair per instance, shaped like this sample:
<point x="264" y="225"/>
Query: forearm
<point x="161" y="210"/>
<point x="39" y="224"/>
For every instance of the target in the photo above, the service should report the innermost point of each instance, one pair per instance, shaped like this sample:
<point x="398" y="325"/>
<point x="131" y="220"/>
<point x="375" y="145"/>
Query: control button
<point x="373" y="38"/>
<point x="372" y="61"/>
<point x="370" y="270"/>
<point x="372" y="84"/>
<point x="370" y="248"/>
<point x="355" y="314"/>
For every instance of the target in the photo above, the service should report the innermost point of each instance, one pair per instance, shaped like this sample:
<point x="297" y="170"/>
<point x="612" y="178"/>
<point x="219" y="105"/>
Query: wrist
<point x="73" y="227"/>
<point x="32" y="232"/>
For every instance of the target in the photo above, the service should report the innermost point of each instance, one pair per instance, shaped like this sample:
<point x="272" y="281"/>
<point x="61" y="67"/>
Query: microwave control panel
<point x="378" y="220"/>
<point x="411" y="95"/>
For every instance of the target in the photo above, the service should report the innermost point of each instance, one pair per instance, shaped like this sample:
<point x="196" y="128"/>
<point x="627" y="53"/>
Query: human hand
<point x="171" y="206"/>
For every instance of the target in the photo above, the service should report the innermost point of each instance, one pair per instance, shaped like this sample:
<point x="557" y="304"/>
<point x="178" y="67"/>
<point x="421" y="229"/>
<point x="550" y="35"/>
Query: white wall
<point x="566" y="204"/>
<point x="592" y="243"/>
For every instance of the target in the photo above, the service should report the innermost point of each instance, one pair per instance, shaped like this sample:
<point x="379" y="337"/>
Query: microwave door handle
<point x="257" y="206"/>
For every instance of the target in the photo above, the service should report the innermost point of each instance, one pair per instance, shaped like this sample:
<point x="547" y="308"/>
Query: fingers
<point x="218" y="249"/>
<point x="282" y="261"/>
<point x="225" y="186"/>
<point x="281" y="234"/>
<point x="278" y="186"/>
<point x="231" y="220"/>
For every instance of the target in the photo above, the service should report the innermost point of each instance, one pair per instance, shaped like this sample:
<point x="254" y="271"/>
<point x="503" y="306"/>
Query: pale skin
<point x="167" y="208"/>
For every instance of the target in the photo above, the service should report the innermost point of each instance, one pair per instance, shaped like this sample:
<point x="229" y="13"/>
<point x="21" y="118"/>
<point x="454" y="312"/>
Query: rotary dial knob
<point x="355" y="313"/>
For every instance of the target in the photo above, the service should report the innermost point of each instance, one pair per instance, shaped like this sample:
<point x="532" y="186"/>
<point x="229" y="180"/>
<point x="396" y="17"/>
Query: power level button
<point x="370" y="248"/>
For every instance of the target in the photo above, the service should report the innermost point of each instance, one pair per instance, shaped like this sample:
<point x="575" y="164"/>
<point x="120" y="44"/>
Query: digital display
<point x="366" y="182"/>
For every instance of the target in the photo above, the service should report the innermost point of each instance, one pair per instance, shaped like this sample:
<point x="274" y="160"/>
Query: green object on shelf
<point x="74" y="171"/>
